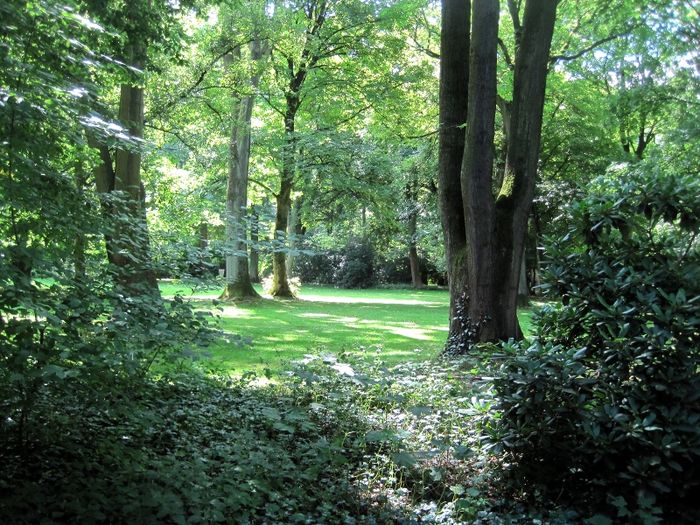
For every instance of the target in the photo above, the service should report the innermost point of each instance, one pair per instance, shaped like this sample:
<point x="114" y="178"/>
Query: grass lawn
<point x="397" y="325"/>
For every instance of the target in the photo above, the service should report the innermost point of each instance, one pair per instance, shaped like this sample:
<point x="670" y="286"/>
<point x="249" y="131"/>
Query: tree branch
<point x="264" y="186"/>
<point x="506" y="55"/>
<point x="514" y="9"/>
<point x="173" y="133"/>
<point x="579" y="54"/>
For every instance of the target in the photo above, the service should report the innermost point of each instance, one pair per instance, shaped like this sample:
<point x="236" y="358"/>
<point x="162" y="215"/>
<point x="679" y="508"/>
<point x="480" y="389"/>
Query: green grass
<point x="396" y="325"/>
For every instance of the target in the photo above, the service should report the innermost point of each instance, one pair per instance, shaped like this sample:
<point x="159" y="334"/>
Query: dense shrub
<point x="356" y="269"/>
<point x="317" y="268"/>
<point x="607" y="401"/>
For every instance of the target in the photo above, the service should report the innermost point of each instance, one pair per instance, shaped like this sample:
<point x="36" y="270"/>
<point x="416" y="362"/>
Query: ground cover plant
<point x="376" y="444"/>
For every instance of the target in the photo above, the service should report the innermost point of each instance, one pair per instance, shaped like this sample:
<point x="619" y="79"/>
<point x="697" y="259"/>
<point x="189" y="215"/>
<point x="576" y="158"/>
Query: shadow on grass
<point x="395" y="325"/>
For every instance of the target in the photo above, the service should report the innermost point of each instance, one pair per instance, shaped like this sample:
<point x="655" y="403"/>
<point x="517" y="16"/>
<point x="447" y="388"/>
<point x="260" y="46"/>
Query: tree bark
<point x="132" y="246"/>
<point x="515" y="197"/>
<point x="238" y="284"/>
<point x="523" y="292"/>
<point x="477" y="171"/>
<point x="294" y="231"/>
<point x="495" y="227"/>
<point x="104" y="184"/>
<point x="454" y="79"/>
<point x="254" y="259"/>
<point x="280" y="277"/>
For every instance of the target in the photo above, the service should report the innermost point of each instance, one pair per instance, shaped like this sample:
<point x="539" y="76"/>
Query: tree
<point x="238" y="281"/>
<point x="128" y="245"/>
<point x="485" y="261"/>
<point x="454" y="77"/>
<point x="297" y="71"/>
<point x="318" y="40"/>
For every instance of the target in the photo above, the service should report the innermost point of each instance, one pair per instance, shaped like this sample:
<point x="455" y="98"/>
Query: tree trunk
<point x="104" y="184"/>
<point x="412" y="230"/>
<point x="495" y="228"/>
<point x="254" y="259"/>
<point x="294" y="230"/>
<point x="477" y="171"/>
<point x="280" y="280"/>
<point x="238" y="284"/>
<point x="454" y="78"/>
<point x="414" y="261"/>
<point x="523" y="292"/>
<point x="517" y="191"/>
<point x="132" y="254"/>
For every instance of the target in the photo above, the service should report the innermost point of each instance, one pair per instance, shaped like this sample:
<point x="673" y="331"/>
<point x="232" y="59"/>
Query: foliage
<point x="64" y="327"/>
<point x="183" y="449"/>
<point x="336" y="442"/>
<point x="606" y="400"/>
<point x="356" y="268"/>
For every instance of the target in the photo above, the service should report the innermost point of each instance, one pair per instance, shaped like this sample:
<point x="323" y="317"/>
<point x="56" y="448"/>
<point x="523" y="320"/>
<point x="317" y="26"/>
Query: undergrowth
<point x="333" y="442"/>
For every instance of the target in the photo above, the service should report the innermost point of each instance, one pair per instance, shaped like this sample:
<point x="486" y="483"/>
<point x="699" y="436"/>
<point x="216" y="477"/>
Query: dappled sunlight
<point x="238" y="313"/>
<point x="366" y="300"/>
<point x="412" y="333"/>
<point x="388" y="325"/>
<point x="407" y="329"/>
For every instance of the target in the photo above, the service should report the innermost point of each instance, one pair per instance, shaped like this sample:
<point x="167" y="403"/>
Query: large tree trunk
<point x="238" y="284"/>
<point x="515" y="197"/>
<point x="454" y="78"/>
<point x="477" y="171"/>
<point x="280" y="278"/>
<point x="132" y="246"/>
<point x="495" y="227"/>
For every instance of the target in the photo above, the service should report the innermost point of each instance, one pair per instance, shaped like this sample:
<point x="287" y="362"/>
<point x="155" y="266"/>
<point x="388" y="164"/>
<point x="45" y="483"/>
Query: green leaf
<point x="420" y="410"/>
<point x="403" y="459"/>
<point x="598" y="519"/>
<point x="271" y="413"/>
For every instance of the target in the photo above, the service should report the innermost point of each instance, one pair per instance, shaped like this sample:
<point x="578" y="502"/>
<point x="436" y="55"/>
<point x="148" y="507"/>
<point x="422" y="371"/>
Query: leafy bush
<point x="318" y="268"/>
<point x="356" y="269"/>
<point x="607" y="401"/>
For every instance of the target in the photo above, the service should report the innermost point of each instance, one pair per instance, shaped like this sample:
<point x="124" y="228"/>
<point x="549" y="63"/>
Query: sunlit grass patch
<point x="397" y="326"/>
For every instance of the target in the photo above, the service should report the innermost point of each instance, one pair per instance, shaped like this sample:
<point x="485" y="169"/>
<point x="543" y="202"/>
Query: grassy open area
<point x="397" y="325"/>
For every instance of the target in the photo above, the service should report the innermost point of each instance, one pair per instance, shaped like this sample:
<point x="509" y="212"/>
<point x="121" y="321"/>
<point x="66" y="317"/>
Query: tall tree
<point x="454" y="78"/>
<point x="495" y="219"/>
<point x="318" y="44"/>
<point x="297" y="71"/>
<point x="128" y="246"/>
<point x="238" y="282"/>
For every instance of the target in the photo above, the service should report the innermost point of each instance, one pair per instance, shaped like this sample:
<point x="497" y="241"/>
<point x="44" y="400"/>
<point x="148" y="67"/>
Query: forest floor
<point x="367" y="426"/>
<point x="395" y="325"/>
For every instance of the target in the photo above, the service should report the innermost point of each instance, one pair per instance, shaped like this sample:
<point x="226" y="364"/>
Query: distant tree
<point x="238" y="281"/>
